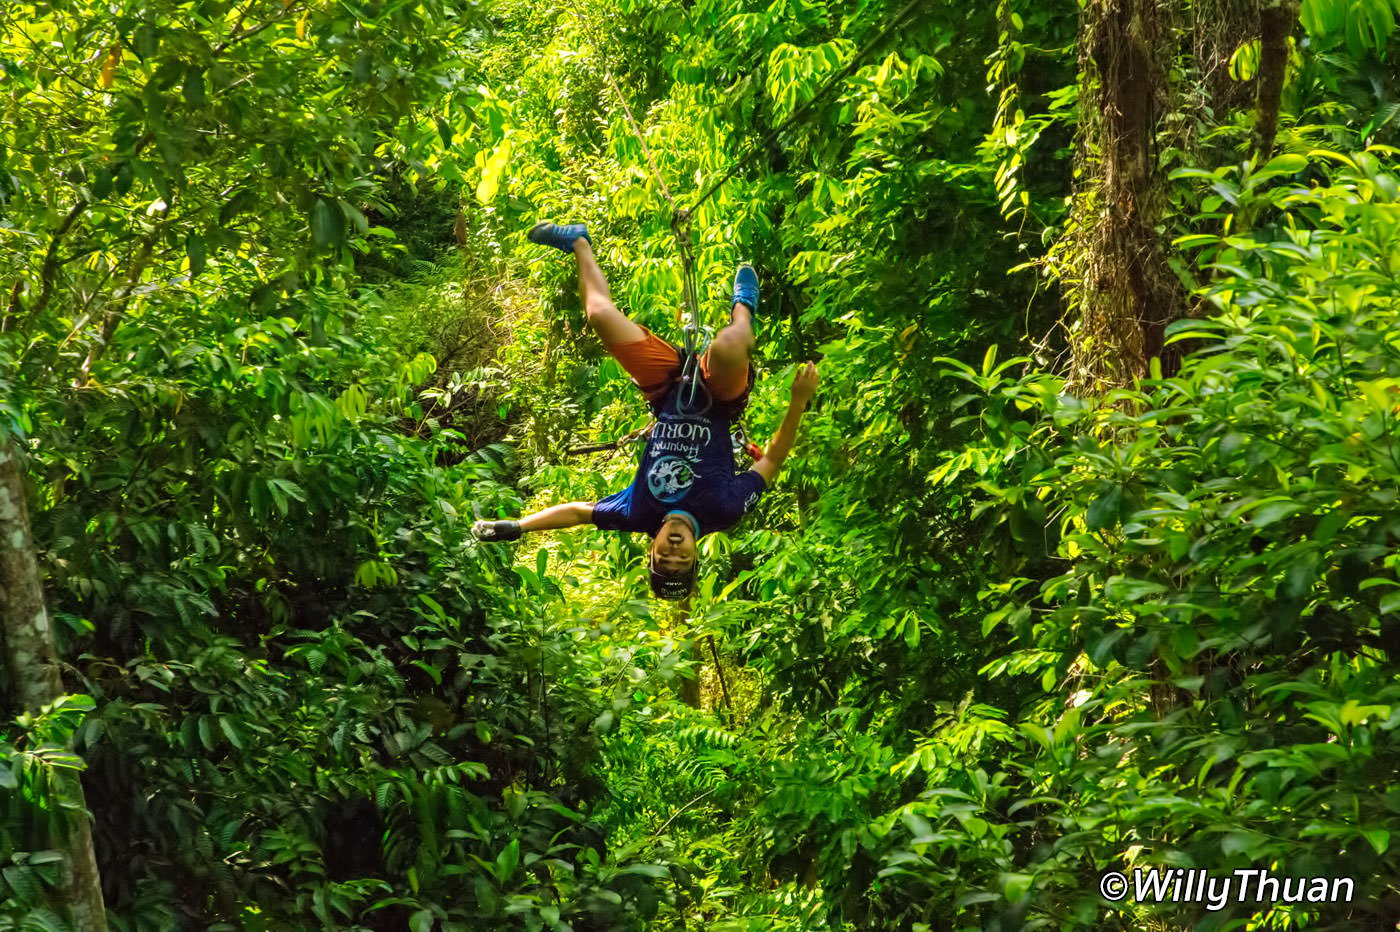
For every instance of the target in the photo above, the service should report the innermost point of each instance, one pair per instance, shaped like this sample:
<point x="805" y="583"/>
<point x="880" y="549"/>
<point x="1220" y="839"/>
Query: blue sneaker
<point x="746" y="288"/>
<point x="560" y="237"/>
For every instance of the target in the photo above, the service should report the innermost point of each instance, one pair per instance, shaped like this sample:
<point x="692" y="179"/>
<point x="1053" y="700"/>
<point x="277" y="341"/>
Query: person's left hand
<point x="496" y="530"/>
<point x="804" y="383"/>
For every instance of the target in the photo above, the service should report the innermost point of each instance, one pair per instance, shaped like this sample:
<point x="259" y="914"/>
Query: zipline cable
<point x="681" y="216"/>
<point x="805" y="108"/>
<point x="693" y="397"/>
<point x="772" y="135"/>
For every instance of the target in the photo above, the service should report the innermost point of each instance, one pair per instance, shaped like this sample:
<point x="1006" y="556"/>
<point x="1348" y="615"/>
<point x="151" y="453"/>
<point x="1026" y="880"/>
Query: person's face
<point x="673" y="549"/>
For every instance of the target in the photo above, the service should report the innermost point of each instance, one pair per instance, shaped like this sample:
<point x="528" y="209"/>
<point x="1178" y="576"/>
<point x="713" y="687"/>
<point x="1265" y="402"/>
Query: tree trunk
<point x="26" y="640"/>
<point x="1276" y="21"/>
<point x="1121" y="286"/>
<point x="688" y="689"/>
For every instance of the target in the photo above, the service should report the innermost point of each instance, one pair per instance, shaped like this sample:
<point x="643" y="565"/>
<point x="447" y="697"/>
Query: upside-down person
<point x="686" y="485"/>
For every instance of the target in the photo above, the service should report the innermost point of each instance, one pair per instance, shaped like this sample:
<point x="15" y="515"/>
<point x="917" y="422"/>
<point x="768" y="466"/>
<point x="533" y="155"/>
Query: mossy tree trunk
<point x="31" y="667"/>
<point x="1123" y="293"/>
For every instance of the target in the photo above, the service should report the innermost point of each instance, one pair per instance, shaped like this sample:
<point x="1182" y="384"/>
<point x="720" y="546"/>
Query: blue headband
<point x="694" y="525"/>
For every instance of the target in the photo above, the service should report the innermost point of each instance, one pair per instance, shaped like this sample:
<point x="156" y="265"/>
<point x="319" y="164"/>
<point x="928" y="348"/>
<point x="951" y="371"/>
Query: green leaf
<point x="327" y="223"/>
<point x="1299" y="577"/>
<point x="919" y="827"/>
<point x="363" y="66"/>
<point x="194" y="249"/>
<point x="507" y="861"/>
<point x="80" y="702"/>
<point x="231" y="732"/>
<point x="493" y="173"/>
<point x="23" y="881"/>
<point x="1320" y="17"/>
<point x="1015" y="887"/>
<point x="911" y="630"/>
<point x="433" y="672"/>
<point x="44" y="920"/>
<point x="515" y="801"/>
<point x="239" y="203"/>
<point x="989" y="360"/>
<point x="146" y="40"/>
<point x="1287" y="164"/>
<point x="367" y="574"/>
<point x="1126" y="589"/>
<point x="1244" y="63"/>
<point x="287" y="488"/>
<point x="1243" y="842"/>
<point x="1103" y="513"/>
<point x="1194" y="240"/>
<point x="445" y="132"/>
<point x="1353" y="712"/>
<point x="1273" y="510"/>
<point x="194" y="86"/>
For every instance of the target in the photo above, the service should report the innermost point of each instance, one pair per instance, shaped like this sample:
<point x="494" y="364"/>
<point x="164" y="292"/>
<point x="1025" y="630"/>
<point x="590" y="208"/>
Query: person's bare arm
<point x="569" y="514"/>
<point x="804" y="386"/>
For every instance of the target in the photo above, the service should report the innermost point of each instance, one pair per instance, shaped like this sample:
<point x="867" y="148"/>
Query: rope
<point x="637" y="131"/>
<point x="613" y="444"/>
<point x="693" y="398"/>
<point x="719" y="671"/>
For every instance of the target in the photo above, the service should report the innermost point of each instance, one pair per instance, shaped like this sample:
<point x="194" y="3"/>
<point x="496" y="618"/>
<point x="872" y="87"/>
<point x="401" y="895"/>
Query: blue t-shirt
<point x="688" y="465"/>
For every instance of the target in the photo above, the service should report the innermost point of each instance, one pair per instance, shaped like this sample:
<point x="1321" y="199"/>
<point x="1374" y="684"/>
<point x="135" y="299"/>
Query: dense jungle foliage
<point x="1086" y="560"/>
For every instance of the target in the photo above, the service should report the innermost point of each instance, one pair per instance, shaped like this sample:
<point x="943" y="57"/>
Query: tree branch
<point x="113" y="315"/>
<point x="49" y="271"/>
<point x="249" y="33"/>
<point x="51" y="263"/>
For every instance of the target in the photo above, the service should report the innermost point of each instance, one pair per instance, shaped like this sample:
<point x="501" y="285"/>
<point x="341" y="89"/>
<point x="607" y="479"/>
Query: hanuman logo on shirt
<point x="669" y="478"/>
<point x="677" y="445"/>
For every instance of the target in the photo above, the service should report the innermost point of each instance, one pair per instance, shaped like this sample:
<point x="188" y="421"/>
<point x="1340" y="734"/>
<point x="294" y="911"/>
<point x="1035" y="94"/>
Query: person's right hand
<point x="804" y="383"/>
